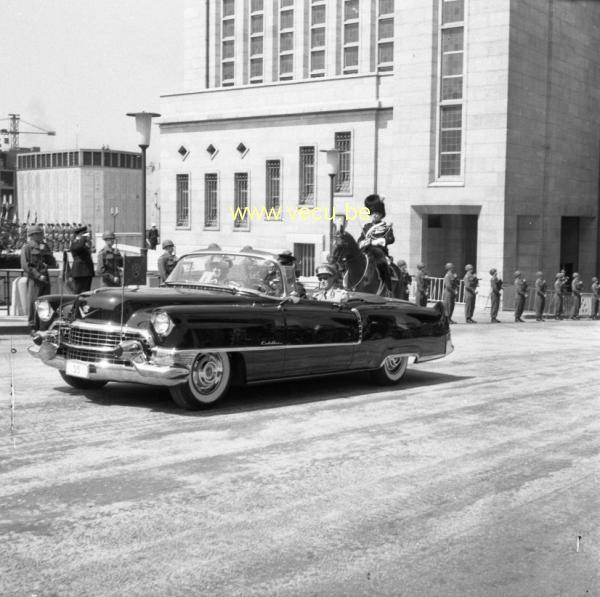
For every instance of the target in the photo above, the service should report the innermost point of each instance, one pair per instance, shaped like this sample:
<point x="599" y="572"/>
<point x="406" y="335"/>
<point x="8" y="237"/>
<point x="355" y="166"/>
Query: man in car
<point x="328" y="291"/>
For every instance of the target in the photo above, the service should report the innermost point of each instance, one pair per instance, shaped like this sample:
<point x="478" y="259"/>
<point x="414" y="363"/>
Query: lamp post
<point x="114" y="212"/>
<point x="143" y="125"/>
<point x="333" y="161"/>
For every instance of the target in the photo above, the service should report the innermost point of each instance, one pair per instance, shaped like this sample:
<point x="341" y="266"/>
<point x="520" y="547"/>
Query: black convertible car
<point x="226" y="318"/>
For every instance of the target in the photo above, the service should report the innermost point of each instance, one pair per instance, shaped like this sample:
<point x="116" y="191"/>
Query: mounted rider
<point x="375" y="238"/>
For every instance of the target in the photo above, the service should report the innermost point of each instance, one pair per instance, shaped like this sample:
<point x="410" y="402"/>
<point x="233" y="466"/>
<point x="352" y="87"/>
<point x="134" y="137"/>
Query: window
<point x="273" y="184"/>
<point x="182" y="215"/>
<point x="211" y="201"/>
<point x="256" y="42"/>
<point x="343" y="178"/>
<point x="305" y="258"/>
<point x="385" y="35"/>
<point x="240" y="200"/>
<point x="227" y="43"/>
<point x="87" y="158"/>
<point x="450" y="114"/>
<point x="307" y="176"/>
<point x="286" y="40"/>
<point x="350" y="37"/>
<point x="317" y="38"/>
<point x="97" y="158"/>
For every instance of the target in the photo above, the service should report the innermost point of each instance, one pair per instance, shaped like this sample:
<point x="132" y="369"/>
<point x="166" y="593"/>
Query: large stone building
<point x="82" y="185"/>
<point x="478" y="120"/>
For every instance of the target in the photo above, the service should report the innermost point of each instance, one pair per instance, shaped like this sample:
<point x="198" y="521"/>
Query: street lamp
<point x="333" y="162"/>
<point x="143" y="125"/>
<point x="114" y="212"/>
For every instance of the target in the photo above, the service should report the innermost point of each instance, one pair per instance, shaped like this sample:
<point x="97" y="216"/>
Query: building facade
<point x="82" y="186"/>
<point x="477" y="120"/>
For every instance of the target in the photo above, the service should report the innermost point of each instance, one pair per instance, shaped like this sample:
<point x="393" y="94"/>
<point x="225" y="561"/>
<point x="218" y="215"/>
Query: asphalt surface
<point x="477" y="476"/>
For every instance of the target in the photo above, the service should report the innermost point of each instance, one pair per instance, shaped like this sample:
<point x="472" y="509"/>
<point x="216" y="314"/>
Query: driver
<point x="328" y="289"/>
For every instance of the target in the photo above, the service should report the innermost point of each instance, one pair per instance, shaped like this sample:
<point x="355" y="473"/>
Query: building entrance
<point x="569" y="246"/>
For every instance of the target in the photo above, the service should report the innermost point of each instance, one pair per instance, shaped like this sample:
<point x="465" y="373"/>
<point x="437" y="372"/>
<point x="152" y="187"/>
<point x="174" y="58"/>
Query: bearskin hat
<point x="375" y="203"/>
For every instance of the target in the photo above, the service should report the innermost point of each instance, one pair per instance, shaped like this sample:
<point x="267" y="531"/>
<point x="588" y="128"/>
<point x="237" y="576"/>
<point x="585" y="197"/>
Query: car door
<point x="320" y="337"/>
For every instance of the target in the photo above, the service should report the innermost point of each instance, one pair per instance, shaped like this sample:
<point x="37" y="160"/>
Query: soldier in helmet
<point x="110" y="261"/>
<point x="559" y="296"/>
<point x="495" y="290"/>
<point x="375" y="238"/>
<point x="471" y="283"/>
<point x="422" y="282"/>
<point x="167" y="261"/>
<point x="540" y="296"/>
<point x="404" y="281"/>
<point x="326" y="274"/>
<point x="521" y="288"/>
<point x="595" y="288"/>
<point x="576" y="288"/>
<point x="450" y="291"/>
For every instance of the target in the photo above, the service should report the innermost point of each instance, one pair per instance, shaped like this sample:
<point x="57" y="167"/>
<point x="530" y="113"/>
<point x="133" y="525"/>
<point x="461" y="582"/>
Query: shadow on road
<point x="262" y="397"/>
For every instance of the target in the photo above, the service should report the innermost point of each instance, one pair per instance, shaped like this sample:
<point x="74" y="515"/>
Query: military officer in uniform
<point x="326" y="274"/>
<point x="110" y="261"/>
<point x="576" y="288"/>
<point x="449" y="291"/>
<point x="376" y="236"/>
<point x="404" y="280"/>
<point x="422" y="285"/>
<point x="520" y="296"/>
<point x="495" y="290"/>
<point x="82" y="270"/>
<point x="35" y="267"/>
<point x="540" y="296"/>
<point x="559" y="289"/>
<point x="153" y="237"/>
<point x="595" y="288"/>
<point x="167" y="261"/>
<point x="471" y="282"/>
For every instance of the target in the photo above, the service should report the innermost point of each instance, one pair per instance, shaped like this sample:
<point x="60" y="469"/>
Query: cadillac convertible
<point x="226" y="319"/>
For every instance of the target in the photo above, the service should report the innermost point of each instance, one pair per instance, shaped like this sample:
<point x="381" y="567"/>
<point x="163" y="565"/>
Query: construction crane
<point x="14" y="132"/>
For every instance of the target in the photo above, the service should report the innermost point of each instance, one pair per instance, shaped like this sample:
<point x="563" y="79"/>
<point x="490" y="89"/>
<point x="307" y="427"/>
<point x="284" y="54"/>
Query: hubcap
<point x="207" y="373"/>
<point x="394" y="364"/>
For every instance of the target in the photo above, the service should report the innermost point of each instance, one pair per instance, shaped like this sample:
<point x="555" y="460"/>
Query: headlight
<point x="162" y="323"/>
<point x="44" y="310"/>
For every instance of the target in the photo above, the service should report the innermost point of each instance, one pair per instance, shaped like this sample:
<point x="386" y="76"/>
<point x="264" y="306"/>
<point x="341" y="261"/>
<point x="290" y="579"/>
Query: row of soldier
<point x="57" y="236"/>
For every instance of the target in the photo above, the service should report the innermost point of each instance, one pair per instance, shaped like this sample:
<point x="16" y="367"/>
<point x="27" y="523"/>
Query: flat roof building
<point x="477" y="120"/>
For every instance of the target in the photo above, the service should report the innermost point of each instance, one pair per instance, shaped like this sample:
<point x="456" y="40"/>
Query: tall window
<point x="211" y="201"/>
<point x="343" y="143"/>
<point x="286" y="40"/>
<point x="227" y="42"/>
<point x="257" y="26"/>
<point x="273" y="184"/>
<point x="240" y="200"/>
<point x="317" y="38"/>
<point x="350" y="37"/>
<point x="451" y="88"/>
<point x="182" y="215"/>
<point x="307" y="175"/>
<point x="385" y="35"/>
<point x="305" y="256"/>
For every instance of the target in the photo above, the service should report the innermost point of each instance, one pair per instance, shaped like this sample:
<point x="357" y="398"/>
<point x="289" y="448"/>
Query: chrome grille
<point x="95" y="338"/>
<point x="91" y="356"/>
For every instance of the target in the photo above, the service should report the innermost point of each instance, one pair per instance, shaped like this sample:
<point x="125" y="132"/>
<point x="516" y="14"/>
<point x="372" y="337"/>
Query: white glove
<point x="380" y="242"/>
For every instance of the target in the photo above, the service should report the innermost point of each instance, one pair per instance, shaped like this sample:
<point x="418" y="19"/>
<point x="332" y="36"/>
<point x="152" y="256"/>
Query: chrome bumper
<point x="142" y="370"/>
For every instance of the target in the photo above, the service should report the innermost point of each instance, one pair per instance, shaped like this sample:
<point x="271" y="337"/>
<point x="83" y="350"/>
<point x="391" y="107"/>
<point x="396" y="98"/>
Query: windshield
<point x="232" y="271"/>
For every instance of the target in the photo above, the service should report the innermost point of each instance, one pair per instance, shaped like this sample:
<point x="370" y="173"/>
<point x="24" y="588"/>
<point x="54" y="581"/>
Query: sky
<point x="78" y="66"/>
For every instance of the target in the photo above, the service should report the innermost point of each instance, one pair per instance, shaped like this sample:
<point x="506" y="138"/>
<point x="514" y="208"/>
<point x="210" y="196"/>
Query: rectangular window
<point x="256" y="42"/>
<point x="305" y="257"/>
<point x="256" y="5"/>
<point x="211" y="201"/>
<point x="350" y="37"/>
<point x="451" y="67"/>
<point x="273" y="184"/>
<point x="227" y="43"/>
<point x="87" y="158"/>
<point x="317" y="38"/>
<point x="286" y="40"/>
<point x="97" y="158"/>
<point x="343" y="179"/>
<point x="307" y="176"/>
<point x="385" y="35"/>
<point x="182" y="207"/>
<point x="240" y="200"/>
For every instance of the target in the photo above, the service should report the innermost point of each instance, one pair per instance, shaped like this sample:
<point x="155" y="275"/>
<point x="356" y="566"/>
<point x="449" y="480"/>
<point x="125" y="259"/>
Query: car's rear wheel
<point x="208" y="381"/>
<point x="391" y="372"/>
<point x="83" y="384"/>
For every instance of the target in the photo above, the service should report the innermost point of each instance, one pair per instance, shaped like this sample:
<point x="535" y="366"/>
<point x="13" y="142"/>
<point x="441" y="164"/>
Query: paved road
<point x="473" y="478"/>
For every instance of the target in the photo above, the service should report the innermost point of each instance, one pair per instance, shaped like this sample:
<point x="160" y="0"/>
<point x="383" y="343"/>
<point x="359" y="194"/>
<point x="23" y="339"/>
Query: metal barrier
<point x="9" y="276"/>
<point x="436" y="290"/>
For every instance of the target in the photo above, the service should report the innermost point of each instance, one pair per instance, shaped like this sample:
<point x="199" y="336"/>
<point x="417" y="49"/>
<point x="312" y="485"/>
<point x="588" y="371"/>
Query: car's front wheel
<point x="83" y="384"/>
<point x="391" y="372"/>
<point x="208" y="381"/>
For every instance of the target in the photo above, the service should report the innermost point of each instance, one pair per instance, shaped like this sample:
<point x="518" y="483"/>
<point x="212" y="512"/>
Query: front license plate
<point x="77" y="369"/>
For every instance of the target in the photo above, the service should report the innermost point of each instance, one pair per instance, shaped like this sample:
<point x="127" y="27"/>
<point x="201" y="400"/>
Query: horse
<point x="361" y="273"/>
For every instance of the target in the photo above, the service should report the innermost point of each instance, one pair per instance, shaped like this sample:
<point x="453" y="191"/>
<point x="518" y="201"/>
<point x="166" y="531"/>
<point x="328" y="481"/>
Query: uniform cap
<point x="153" y="225"/>
<point x="108" y="235"/>
<point x="325" y="269"/>
<point x="213" y="247"/>
<point x="375" y="203"/>
<point x="493" y="271"/>
<point x="420" y="265"/>
<point x="167" y="243"/>
<point x="468" y="267"/>
<point x="539" y="274"/>
<point x="35" y="229"/>
<point x="401" y="263"/>
<point x="449" y="265"/>
<point x="576" y="274"/>
<point x="80" y="229"/>
<point x="246" y="249"/>
<point x="517" y="273"/>
<point x="559" y="275"/>
<point x="594" y="279"/>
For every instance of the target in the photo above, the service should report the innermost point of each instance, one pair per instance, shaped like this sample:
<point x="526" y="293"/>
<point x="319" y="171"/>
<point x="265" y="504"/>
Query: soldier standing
<point x="595" y="298"/>
<point x="558" y="296"/>
<point x="520" y="296"/>
<point x="449" y="294"/>
<point x="471" y="282"/>
<point x="422" y="282"/>
<point x="576" y="287"/>
<point x="540" y="296"/>
<point x="404" y="281"/>
<point x="36" y="270"/>
<point x="110" y="261"/>
<point x="82" y="270"/>
<point x="495" y="290"/>
<point x="167" y="261"/>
